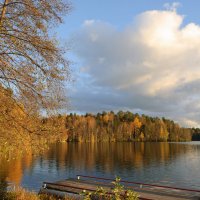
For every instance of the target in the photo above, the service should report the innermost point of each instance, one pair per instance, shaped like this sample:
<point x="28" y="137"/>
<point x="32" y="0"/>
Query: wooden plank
<point x="154" y="190"/>
<point x="77" y="186"/>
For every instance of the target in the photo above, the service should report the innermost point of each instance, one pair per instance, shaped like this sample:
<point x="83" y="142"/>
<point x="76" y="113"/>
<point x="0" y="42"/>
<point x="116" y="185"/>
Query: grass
<point x="22" y="194"/>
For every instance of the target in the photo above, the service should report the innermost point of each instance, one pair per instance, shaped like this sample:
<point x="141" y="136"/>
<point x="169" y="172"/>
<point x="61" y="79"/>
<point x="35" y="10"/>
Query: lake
<point x="174" y="164"/>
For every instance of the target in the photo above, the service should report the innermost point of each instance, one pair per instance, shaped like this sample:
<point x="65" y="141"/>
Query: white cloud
<point x="172" y="6"/>
<point x="152" y="65"/>
<point x="88" y="22"/>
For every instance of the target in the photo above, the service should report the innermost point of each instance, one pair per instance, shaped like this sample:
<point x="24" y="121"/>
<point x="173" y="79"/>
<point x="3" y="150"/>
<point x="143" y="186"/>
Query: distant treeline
<point x="124" y="126"/>
<point x="196" y="134"/>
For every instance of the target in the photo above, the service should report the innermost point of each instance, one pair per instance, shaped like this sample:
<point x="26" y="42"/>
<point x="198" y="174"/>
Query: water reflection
<point x="112" y="155"/>
<point x="166" y="163"/>
<point x="12" y="169"/>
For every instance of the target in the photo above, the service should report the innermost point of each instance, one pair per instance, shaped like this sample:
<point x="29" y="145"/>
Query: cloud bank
<point x="152" y="66"/>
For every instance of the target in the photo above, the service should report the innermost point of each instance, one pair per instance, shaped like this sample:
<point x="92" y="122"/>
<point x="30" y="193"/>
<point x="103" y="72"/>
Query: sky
<point x="136" y="55"/>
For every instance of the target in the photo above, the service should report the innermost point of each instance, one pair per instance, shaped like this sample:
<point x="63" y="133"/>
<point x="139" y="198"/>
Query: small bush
<point x="116" y="193"/>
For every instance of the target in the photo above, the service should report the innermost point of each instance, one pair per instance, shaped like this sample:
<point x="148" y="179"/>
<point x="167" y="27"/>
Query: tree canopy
<point x="123" y="126"/>
<point x="32" y="64"/>
<point x="33" y="71"/>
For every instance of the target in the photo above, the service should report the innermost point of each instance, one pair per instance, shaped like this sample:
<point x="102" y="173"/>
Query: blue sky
<point x="142" y="56"/>
<point x="120" y="13"/>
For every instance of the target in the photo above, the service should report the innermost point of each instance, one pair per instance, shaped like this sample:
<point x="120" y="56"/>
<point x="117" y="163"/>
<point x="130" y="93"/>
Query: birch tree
<point x="32" y="64"/>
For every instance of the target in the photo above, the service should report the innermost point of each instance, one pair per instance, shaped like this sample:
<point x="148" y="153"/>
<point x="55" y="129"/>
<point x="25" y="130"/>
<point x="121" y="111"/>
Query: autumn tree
<point x="161" y="133"/>
<point x="136" y="125"/>
<point x="124" y="126"/>
<point x="32" y="64"/>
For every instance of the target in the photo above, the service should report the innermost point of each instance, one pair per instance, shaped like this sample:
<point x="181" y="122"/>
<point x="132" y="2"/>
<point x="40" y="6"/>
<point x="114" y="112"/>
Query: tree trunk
<point x="3" y="12"/>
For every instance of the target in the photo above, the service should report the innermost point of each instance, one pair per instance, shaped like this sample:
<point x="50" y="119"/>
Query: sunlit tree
<point x="32" y="64"/>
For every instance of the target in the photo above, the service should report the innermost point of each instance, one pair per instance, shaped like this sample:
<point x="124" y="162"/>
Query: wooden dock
<point x="146" y="191"/>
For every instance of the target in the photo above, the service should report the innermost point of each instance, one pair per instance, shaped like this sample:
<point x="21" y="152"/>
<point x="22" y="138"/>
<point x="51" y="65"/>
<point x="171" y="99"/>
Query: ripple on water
<point x="175" y="164"/>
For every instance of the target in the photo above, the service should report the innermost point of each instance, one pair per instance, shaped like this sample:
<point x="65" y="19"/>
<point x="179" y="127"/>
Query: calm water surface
<point x="176" y="164"/>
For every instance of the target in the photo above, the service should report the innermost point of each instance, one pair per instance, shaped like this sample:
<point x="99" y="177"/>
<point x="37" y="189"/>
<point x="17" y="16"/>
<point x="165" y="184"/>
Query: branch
<point x="3" y="12"/>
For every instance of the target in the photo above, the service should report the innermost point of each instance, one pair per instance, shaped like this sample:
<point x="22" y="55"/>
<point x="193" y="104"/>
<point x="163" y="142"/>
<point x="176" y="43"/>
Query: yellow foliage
<point x="137" y="123"/>
<point x="141" y="136"/>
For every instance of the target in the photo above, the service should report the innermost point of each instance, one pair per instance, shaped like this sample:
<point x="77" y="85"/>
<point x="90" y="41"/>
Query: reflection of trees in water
<point x="12" y="170"/>
<point x="113" y="156"/>
<point x="105" y="157"/>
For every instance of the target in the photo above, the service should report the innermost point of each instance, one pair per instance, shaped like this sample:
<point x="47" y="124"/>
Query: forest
<point x="34" y="133"/>
<point x="124" y="126"/>
<point x="33" y="74"/>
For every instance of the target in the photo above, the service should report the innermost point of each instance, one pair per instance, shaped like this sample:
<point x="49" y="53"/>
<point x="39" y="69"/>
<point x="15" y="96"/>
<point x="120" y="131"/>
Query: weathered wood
<point x="75" y="186"/>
